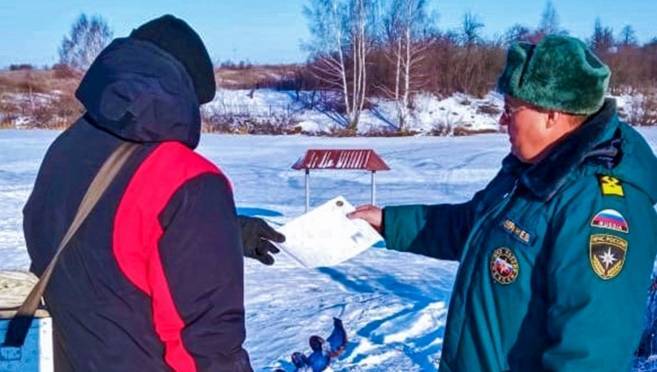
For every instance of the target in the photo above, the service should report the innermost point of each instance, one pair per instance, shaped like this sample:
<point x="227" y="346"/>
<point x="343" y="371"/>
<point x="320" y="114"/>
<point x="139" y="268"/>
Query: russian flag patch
<point x="610" y="219"/>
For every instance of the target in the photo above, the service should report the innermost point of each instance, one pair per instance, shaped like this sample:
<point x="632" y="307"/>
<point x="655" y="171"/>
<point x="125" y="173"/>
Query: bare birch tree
<point x="406" y="25"/>
<point x="339" y="46"/>
<point x="88" y="37"/>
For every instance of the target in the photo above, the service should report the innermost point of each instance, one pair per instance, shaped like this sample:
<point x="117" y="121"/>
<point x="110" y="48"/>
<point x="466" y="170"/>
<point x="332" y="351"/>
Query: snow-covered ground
<point x="393" y="304"/>
<point x="428" y="114"/>
<point x="247" y="110"/>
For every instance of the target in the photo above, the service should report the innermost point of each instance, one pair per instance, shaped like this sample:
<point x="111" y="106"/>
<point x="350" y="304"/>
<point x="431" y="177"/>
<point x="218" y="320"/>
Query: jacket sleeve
<point x="440" y="231"/>
<point x="437" y="231"/>
<point x="595" y="312"/>
<point x="201" y="256"/>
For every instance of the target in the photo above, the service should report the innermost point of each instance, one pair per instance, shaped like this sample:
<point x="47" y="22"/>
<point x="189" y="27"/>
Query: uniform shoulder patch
<point x="607" y="255"/>
<point x="611" y="186"/>
<point x="610" y="219"/>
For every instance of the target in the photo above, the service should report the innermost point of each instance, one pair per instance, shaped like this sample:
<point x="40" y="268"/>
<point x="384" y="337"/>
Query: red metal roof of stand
<point x="341" y="159"/>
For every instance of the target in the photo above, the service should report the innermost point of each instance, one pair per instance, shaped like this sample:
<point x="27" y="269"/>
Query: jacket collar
<point x="594" y="138"/>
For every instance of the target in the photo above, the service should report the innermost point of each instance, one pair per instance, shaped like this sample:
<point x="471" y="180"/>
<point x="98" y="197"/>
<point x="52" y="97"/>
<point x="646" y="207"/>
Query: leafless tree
<point x="517" y="33"/>
<point x="548" y="25"/>
<point x="406" y="27"/>
<point x="88" y="36"/>
<point x="471" y="29"/>
<point x="549" y="20"/>
<point x="340" y="44"/>
<point x="602" y="40"/>
<point x="470" y="54"/>
<point x="627" y="37"/>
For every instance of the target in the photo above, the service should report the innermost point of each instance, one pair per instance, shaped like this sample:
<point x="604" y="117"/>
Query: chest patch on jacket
<point x="611" y="186"/>
<point x="610" y="219"/>
<point x="504" y="266"/>
<point x="607" y="255"/>
<point x="517" y="231"/>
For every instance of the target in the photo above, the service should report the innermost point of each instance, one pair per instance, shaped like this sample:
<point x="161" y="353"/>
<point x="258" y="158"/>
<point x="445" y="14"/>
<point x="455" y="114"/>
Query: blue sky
<point x="270" y="31"/>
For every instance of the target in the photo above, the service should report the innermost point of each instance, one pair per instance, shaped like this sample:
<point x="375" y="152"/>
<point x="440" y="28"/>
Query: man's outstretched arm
<point x="437" y="231"/>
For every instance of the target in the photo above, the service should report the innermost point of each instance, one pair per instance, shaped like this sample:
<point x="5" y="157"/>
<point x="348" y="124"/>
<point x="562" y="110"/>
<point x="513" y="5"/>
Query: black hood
<point x="139" y="92"/>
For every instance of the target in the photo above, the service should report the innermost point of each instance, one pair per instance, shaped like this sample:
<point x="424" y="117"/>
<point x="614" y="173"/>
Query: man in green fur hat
<point x="556" y="252"/>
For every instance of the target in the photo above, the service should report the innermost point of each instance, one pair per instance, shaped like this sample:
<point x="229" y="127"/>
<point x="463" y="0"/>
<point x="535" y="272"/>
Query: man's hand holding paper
<point x="325" y="236"/>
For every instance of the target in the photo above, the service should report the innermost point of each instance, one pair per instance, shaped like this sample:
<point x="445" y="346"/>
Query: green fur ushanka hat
<point x="559" y="73"/>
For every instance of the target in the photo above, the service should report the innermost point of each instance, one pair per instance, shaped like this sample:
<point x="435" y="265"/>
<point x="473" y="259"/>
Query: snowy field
<point x="428" y="113"/>
<point x="393" y="304"/>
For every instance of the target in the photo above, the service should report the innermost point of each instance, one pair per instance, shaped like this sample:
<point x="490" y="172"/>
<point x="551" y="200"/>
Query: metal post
<point x="307" y="189"/>
<point x="373" y="188"/>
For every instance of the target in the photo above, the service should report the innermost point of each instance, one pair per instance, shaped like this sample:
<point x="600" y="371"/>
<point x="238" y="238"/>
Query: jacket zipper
<point x="476" y="231"/>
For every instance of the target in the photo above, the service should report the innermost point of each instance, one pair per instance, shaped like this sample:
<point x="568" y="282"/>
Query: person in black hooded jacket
<point x="153" y="279"/>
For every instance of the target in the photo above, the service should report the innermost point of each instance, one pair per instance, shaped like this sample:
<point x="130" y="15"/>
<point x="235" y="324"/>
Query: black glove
<point x="256" y="236"/>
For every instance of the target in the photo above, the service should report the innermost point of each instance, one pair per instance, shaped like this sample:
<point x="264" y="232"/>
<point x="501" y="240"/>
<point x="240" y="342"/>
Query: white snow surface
<point x="303" y="110"/>
<point x="393" y="304"/>
<point x="428" y="113"/>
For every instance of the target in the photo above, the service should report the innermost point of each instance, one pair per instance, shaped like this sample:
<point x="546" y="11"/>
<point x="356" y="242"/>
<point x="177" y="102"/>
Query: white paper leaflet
<point x="326" y="237"/>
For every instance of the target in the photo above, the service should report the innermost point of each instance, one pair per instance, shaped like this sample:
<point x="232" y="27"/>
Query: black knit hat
<point x="180" y="40"/>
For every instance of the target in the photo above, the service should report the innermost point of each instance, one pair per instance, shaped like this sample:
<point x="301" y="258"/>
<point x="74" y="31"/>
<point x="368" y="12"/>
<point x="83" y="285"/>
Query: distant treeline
<point x="359" y="49"/>
<point x="445" y="65"/>
<point x="394" y="49"/>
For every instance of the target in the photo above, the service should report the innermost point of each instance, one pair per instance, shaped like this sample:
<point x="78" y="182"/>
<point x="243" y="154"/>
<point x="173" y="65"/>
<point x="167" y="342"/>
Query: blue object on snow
<point x="338" y="338"/>
<point x="320" y="358"/>
<point x="323" y="351"/>
<point x="299" y="360"/>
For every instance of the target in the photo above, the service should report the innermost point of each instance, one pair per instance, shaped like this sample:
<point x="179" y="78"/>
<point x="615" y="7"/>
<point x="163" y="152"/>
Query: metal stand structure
<point x="373" y="193"/>
<point x="307" y="190"/>
<point x="341" y="160"/>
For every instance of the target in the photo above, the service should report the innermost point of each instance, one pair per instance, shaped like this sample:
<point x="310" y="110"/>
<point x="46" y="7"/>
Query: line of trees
<point x="393" y="49"/>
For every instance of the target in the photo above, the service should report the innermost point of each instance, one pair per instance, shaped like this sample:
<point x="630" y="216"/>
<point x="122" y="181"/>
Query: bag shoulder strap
<point x="22" y="320"/>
